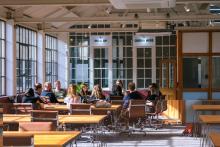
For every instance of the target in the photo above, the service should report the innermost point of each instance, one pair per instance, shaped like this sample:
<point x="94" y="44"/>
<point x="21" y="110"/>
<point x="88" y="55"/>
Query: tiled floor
<point x="165" y="137"/>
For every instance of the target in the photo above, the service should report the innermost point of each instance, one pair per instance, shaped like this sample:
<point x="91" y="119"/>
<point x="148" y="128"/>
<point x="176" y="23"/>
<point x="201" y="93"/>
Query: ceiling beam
<point x="55" y="2"/>
<point x="85" y="30"/>
<point x="121" y="19"/>
<point x="82" y="2"/>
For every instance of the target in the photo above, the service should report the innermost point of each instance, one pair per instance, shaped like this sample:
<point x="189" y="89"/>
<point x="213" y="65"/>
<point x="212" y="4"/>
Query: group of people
<point x="48" y="95"/>
<point x="44" y="94"/>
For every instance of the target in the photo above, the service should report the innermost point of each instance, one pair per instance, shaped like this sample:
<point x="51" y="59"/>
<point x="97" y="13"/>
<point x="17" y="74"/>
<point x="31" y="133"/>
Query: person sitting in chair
<point x="131" y="94"/>
<point x="117" y="89"/>
<point x="47" y="92"/>
<point x="84" y="93"/>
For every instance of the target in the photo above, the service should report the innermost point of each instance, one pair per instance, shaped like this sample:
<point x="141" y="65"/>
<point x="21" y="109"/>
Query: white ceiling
<point x="61" y="14"/>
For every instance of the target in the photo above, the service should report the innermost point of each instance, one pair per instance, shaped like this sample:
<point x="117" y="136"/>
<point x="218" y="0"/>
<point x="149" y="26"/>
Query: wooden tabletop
<point x="206" y="107"/>
<point x="65" y="108"/>
<point x="112" y="108"/>
<point x="74" y="119"/>
<point x="81" y="119"/>
<point x="15" y="118"/>
<point x="210" y="119"/>
<point x="48" y="138"/>
<point x="215" y="138"/>
<point x="56" y="107"/>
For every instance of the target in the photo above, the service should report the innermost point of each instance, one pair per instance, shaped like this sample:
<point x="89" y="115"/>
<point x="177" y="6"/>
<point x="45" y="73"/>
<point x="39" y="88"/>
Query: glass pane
<point x="216" y="72"/>
<point x="195" y="72"/>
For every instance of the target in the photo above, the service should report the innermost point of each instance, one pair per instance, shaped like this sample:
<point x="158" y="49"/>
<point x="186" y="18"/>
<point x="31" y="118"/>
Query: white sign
<point x="100" y="40"/>
<point x="141" y="40"/>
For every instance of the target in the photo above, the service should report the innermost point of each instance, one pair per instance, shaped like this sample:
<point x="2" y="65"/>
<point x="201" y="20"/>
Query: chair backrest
<point x="26" y="140"/>
<point x="45" y="116"/>
<point x="116" y="97"/>
<point x="22" y="108"/>
<point x="117" y="102"/>
<point x="80" y="109"/>
<point x="19" y="97"/>
<point x="36" y="126"/>
<point x="136" y="109"/>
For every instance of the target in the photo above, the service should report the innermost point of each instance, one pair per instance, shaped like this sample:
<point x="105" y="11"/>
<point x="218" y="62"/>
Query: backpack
<point x="188" y="131"/>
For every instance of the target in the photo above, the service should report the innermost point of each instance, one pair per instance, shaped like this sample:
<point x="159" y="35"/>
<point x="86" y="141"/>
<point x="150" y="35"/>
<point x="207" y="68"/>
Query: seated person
<point x="154" y="92"/>
<point x="72" y="97"/>
<point x="58" y="91"/>
<point x="97" y="93"/>
<point x="30" y="97"/>
<point x="131" y="94"/>
<point x="117" y="89"/>
<point x="84" y="93"/>
<point x="37" y="89"/>
<point x="47" y="92"/>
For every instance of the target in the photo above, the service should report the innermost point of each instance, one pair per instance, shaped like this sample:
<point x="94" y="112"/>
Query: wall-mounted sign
<point x="142" y="40"/>
<point x="100" y="40"/>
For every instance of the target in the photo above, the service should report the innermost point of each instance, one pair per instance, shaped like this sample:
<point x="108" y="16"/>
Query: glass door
<point x="100" y="63"/>
<point x="168" y="78"/>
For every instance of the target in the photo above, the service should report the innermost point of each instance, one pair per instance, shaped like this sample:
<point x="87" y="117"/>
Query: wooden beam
<point x="54" y="2"/>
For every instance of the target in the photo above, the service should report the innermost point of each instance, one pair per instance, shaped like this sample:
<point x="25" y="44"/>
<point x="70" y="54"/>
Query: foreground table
<point x="47" y="138"/>
<point x="215" y="139"/>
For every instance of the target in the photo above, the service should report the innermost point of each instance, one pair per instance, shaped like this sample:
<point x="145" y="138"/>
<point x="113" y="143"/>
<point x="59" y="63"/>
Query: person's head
<point x="71" y="90"/>
<point x="57" y="84"/>
<point x="84" y="87"/>
<point x="131" y="86"/>
<point x="119" y="82"/>
<point x="47" y="86"/>
<point x="38" y="88"/>
<point x="29" y="92"/>
<point x="153" y="87"/>
<point x="97" y="91"/>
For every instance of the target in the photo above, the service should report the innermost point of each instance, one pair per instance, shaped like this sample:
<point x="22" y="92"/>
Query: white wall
<point x="196" y="42"/>
<point x="10" y="58"/>
<point x="63" y="68"/>
<point x="41" y="57"/>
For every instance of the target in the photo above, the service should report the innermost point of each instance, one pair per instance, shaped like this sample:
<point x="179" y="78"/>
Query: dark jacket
<point x="51" y="96"/>
<point x="131" y="96"/>
<point x="117" y="90"/>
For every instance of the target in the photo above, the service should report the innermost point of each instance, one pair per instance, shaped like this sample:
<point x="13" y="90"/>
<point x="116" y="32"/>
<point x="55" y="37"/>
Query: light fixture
<point x="186" y="7"/>
<point x="211" y="23"/>
<point x="123" y="25"/>
<point x="108" y="10"/>
<point x="148" y="10"/>
<point x="89" y="26"/>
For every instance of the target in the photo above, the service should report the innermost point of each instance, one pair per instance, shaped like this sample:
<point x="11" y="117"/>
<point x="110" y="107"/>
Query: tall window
<point x="26" y="58"/>
<point x="122" y="65"/>
<point x="165" y="49"/>
<point x="2" y="57"/>
<point x="79" y="58"/>
<point x="144" y="67"/>
<point x="51" y="59"/>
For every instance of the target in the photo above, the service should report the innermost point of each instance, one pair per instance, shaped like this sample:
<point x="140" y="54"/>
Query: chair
<point x="22" y="108"/>
<point x="36" y="126"/>
<point x="159" y="106"/>
<point x="116" y="97"/>
<point x="45" y="116"/>
<point x="136" y="114"/>
<point x="80" y="109"/>
<point x="19" y="97"/>
<point x="26" y="140"/>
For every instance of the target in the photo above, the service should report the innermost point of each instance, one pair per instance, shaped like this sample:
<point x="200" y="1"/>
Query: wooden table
<point x="215" y="139"/>
<point x="206" y="121"/>
<point x="74" y="119"/>
<point x="206" y="107"/>
<point x="199" y="108"/>
<point x="48" y="138"/>
<point x="65" y="108"/>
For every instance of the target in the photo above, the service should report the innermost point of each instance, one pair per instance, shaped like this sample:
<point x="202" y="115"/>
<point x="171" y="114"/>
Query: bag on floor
<point x="188" y="131"/>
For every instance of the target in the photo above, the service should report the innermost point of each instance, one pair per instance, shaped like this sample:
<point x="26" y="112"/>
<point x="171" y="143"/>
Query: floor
<point x="169" y="136"/>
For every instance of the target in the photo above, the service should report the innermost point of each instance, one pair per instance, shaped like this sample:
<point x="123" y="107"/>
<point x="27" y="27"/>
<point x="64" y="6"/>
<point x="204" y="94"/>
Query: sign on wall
<point x="100" y="40"/>
<point x="142" y="40"/>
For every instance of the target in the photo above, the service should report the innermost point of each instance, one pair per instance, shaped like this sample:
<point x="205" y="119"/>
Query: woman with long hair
<point x="72" y="97"/>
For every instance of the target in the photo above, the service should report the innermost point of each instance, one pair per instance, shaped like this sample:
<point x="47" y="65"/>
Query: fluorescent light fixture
<point x="186" y="7"/>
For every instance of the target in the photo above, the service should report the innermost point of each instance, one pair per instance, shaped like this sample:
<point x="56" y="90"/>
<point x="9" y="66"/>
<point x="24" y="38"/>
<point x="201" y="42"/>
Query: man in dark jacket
<point x="47" y="92"/>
